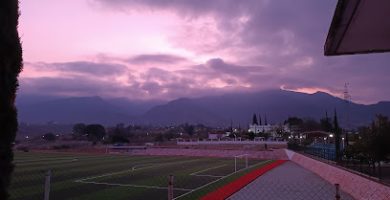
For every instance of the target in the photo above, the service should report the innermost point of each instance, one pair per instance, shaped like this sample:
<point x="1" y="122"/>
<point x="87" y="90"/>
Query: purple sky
<point x="165" y="49"/>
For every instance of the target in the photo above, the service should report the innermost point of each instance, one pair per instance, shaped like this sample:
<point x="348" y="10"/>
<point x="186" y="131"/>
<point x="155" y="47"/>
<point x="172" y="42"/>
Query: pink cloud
<point x="170" y="49"/>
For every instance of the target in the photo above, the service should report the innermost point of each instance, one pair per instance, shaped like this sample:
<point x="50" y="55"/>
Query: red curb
<point x="232" y="187"/>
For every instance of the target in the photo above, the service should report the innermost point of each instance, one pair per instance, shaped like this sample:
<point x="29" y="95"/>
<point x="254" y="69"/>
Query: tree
<point x="189" y="129"/>
<point x="251" y="135"/>
<point x="118" y="139"/>
<point x="119" y="134"/>
<point x="294" y="121"/>
<point x="337" y="137"/>
<point x="295" y="124"/>
<point x="326" y="125"/>
<point x="95" y="132"/>
<point x="49" y="137"/>
<point x="380" y="134"/>
<point x="10" y="67"/>
<point x="254" y="119"/>
<point x="310" y="125"/>
<point x="159" y="138"/>
<point x="373" y="143"/>
<point x="79" y="129"/>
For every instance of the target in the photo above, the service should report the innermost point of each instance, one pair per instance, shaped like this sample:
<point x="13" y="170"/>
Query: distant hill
<point x="276" y="105"/>
<point x="181" y="111"/>
<point x="238" y="108"/>
<point x="72" y="110"/>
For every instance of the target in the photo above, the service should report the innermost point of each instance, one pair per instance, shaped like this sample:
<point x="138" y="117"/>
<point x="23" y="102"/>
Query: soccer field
<point x="83" y="176"/>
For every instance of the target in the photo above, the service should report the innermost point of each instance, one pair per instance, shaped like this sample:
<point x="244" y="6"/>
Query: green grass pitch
<point x="83" y="176"/>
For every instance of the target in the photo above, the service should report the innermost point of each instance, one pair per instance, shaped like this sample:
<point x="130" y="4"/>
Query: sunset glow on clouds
<point x="158" y="49"/>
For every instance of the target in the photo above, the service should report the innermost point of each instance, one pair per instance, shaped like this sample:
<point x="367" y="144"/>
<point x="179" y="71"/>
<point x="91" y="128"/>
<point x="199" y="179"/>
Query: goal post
<point x="238" y="159"/>
<point x="170" y="187"/>
<point x="118" y="149"/>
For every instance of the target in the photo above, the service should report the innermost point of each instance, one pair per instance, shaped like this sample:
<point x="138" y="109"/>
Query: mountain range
<point x="275" y="105"/>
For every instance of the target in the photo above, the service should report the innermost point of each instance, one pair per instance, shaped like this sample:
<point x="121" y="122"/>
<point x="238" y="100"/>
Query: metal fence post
<point x="47" y="185"/>
<point x="337" y="191"/>
<point x="170" y="187"/>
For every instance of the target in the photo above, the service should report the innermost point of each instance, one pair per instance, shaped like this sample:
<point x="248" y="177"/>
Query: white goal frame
<point x="245" y="156"/>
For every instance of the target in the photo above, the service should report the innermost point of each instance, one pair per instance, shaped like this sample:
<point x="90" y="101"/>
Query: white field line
<point x="130" y="170"/>
<point x="203" y="170"/>
<point x="103" y="175"/>
<point x="132" y="185"/>
<point x="145" y="186"/>
<point x="200" y="187"/>
<point x="207" y="175"/>
<point x="49" y="160"/>
<point x="129" y="185"/>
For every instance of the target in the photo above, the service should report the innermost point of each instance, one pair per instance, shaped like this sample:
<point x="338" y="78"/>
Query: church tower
<point x="254" y="120"/>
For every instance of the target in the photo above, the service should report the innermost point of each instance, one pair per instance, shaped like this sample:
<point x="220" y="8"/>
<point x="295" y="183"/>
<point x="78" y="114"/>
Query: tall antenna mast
<point x="347" y="100"/>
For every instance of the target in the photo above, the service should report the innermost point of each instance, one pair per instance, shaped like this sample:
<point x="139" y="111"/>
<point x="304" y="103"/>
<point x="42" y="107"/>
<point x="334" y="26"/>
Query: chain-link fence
<point x="327" y="153"/>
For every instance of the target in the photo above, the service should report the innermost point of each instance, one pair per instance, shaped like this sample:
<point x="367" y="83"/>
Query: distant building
<point x="217" y="136"/>
<point x="273" y="129"/>
<point x="254" y="128"/>
<point x="258" y="126"/>
<point x="214" y="136"/>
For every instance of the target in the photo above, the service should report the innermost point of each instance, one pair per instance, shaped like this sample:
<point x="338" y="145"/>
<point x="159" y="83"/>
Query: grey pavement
<point x="289" y="181"/>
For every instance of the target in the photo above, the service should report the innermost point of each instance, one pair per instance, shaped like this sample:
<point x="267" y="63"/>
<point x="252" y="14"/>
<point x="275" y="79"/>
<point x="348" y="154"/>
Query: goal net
<point x="240" y="162"/>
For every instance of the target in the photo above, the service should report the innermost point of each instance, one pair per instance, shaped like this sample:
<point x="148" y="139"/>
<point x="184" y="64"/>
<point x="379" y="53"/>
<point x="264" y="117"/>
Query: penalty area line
<point x="135" y="168"/>
<point x="197" y="172"/>
<point x="133" y="185"/>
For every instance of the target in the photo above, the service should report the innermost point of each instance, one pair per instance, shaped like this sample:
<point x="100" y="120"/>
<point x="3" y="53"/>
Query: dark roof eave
<point x="345" y="10"/>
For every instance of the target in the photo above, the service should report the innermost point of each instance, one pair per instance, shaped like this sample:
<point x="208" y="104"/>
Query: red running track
<point x="232" y="187"/>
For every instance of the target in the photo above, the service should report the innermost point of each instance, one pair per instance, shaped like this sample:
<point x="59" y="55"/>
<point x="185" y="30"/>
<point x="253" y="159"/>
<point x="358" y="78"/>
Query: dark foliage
<point x="310" y="125"/>
<point x="373" y="142"/>
<point x="10" y="67"/>
<point x="295" y="124"/>
<point x="251" y="135"/>
<point x="49" y="137"/>
<point x="254" y="119"/>
<point x="189" y="129"/>
<point x="326" y="125"/>
<point x="95" y="132"/>
<point x="118" y="134"/>
<point x="159" y="138"/>
<point x="294" y="121"/>
<point x="78" y="130"/>
<point x="118" y="139"/>
<point x="337" y="136"/>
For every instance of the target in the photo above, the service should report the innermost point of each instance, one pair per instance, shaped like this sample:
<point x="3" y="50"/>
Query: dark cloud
<point x="63" y="86"/>
<point x="156" y="59"/>
<point x="188" y="8"/>
<point x="218" y="77"/>
<point x="221" y="67"/>
<point x="82" y="67"/>
<point x="157" y="83"/>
